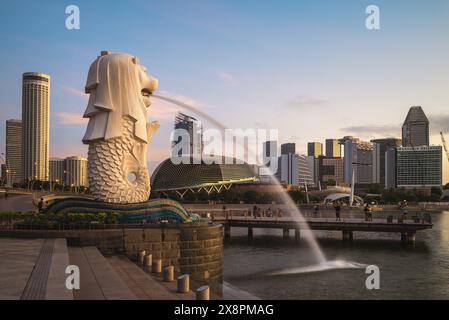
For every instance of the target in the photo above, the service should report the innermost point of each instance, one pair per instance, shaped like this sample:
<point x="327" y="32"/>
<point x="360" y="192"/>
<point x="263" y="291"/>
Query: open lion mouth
<point x="146" y="92"/>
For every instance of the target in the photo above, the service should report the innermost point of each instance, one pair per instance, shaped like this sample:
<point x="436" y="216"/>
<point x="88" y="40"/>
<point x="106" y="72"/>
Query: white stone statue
<point x="118" y="132"/>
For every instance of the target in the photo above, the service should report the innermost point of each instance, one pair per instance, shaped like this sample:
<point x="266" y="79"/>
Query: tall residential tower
<point x="36" y="126"/>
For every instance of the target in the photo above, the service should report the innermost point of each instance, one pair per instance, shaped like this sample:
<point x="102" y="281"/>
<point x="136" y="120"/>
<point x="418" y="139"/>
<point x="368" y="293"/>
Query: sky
<point x="310" y="68"/>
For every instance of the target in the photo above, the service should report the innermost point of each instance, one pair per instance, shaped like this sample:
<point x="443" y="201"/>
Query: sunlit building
<point x="13" y="166"/>
<point x="35" y="126"/>
<point x="76" y="171"/>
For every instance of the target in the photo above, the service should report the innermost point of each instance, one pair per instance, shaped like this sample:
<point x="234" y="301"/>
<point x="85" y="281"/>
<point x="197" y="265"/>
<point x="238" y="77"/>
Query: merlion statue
<point x="118" y="132"/>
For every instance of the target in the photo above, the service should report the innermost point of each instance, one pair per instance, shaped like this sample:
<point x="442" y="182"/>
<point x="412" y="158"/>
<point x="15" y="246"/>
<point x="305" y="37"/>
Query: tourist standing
<point x="365" y="210"/>
<point x="40" y="205"/>
<point x="337" y="207"/>
<point x="316" y="210"/>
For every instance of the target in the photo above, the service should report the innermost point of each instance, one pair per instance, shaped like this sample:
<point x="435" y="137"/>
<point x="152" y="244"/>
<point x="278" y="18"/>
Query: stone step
<point x="56" y="286"/>
<point x="98" y="279"/>
<point x="146" y="286"/>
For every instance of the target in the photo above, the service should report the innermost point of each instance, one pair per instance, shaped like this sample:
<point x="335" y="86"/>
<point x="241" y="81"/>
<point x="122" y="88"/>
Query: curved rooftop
<point x="169" y="176"/>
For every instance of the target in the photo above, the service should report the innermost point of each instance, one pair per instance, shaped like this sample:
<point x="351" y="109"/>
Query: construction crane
<point x="444" y="145"/>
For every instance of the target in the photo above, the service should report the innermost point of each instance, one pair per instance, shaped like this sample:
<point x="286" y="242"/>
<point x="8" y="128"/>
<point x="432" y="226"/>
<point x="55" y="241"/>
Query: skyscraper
<point x="287" y="148"/>
<point x="192" y="131"/>
<point x="358" y="159"/>
<point x="57" y="170"/>
<point x="415" y="130"/>
<point x="315" y="149"/>
<point x="380" y="147"/>
<point x="13" y="151"/>
<point x="35" y="125"/>
<point x="333" y="148"/>
<point x="76" y="171"/>
<point x="419" y="166"/>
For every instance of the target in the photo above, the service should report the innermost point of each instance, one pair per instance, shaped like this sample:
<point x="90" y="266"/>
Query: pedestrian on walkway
<point x="337" y="207"/>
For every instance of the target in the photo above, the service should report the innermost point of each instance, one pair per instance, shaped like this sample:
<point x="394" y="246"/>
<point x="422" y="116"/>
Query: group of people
<point x="258" y="212"/>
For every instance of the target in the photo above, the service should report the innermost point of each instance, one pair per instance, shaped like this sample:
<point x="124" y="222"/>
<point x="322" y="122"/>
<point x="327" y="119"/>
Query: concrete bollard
<point x="148" y="262"/>
<point x="169" y="274"/>
<point x="183" y="283"/>
<point x="157" y="266"/>
<point x="203" y="293"/>
<point x="141" y="256"/>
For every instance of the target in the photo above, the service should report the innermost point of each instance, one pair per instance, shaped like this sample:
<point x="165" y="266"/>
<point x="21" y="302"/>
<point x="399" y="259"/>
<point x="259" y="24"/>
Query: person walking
<point x="316" y="210"/>
<point x="370" y="213"/>
<point x="337" y="207"/>
<point x="255" y="212"/>
<point x="365" y="210"/>
<point x="40" y="205"/>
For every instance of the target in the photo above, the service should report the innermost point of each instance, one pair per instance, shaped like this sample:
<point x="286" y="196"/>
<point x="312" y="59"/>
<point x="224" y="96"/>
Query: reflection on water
<point x="273" y="268"/>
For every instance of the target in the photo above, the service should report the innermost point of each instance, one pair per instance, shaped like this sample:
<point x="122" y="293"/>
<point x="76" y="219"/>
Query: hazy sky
<point x="308" y="68"/>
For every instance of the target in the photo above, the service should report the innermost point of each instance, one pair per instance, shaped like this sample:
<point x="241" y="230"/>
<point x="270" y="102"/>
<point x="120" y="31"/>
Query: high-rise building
<point x="380" y="146"/>
<point x="269" y="152"/>
<point x="35" y="126"/>
<point x="315" y="149"/>
<point x="305" y="172"/>
<point x="419" y="166"/>
<point x="358" y="159"/>
<point x="287" y="148"/>
<point x="390" y="168"/>
<point x="312" y="163"/>
<point x="57" y="170"/>
<point x="333" y="148"/>
<point x="288" y="168"/>
<point x="190" y="143"/>
<point x="415" y="130"/>
<point x="76" y="171"/>
<point x="13" y="151"/>
<point x="331" y="169"/>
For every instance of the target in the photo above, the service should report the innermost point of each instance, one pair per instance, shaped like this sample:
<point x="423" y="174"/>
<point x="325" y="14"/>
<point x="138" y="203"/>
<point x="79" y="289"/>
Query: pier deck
<point x="406" y="228"/>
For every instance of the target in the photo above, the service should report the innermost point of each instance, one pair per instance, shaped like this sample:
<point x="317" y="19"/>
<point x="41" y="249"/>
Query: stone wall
<point x="196" y="249"/>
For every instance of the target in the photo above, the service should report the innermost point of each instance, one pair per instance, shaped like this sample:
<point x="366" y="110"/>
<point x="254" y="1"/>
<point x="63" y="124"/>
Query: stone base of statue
<point x="155" y="210"/>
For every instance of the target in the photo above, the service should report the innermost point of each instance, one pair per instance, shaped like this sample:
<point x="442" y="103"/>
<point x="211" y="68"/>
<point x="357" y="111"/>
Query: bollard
<point x="203" y="293"/>
<point x="141" y="256"/>
<point x="148" y="262"/>
<point x="168" y="275"/>
<point x="183" y="283"/>
<point x="157" y="266"/>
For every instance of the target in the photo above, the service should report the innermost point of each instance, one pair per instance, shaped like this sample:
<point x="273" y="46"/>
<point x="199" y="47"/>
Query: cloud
<point x="70" y="118"/>
<point x="439" y="123"/>
<point x="227" y="78"/>
<point x="371" y="131"/>
<point x="307" y="101"/>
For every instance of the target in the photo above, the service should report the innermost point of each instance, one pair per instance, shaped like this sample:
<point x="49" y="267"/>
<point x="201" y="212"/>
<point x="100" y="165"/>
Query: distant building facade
<point x="35" y="126"/>
<point x="315" y="149"/>
<point x="333" y="148"/>
<point x="57" y="170"/>
<point x="287" y="148"/>
<point x="415" y="130"/>
<point x="358" y="159"/>
<point x="305" y="172"/>
<point x="193" y="131"/>
<point x="76" y="171"/>
<point x="390" y="168"/>
<point x="419" y="166"/>
<point x="331" y="169"/>
<point x="13" y="166"/>
<point x="269" y="152"/>
<point x="380" y="147"/>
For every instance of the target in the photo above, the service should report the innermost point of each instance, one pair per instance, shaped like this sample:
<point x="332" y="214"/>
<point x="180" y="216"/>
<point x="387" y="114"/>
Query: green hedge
<point x="59" y="218"/>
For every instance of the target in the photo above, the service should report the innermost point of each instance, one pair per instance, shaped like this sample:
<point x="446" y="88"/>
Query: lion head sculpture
<point x="118" y="86"/>
<point x="117" y="132"/>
